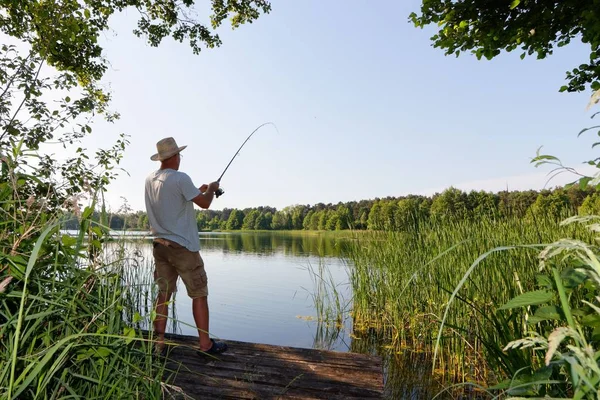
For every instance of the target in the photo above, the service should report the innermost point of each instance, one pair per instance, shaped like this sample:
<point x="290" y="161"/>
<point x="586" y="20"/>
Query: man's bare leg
<point x="160" y="322"/>
<point x="200" y="311"/>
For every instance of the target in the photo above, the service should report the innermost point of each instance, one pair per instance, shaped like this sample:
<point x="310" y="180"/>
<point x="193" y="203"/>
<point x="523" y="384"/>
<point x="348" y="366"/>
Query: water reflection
<point x="270" y="243"/>
<point x="326" y="244"/>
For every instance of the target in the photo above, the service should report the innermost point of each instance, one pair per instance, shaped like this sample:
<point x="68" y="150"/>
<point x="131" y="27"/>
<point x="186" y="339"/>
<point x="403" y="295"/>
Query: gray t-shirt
<point x="170" y="209"/>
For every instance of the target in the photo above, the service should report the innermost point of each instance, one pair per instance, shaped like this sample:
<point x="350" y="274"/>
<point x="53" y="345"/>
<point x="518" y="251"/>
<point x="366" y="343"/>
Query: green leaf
<point x="103" y="352"/>
<point x="528" y="299"/>
<point x="129" y="333"/>
<point x="137" y="317"/>
<point x="548" y="312"/>
<point x="596" y="333"/>
<point x="544" y="281"/>
<point x="583" y="182"/>
<point x="573" y="278"/>
<point x="514" y="4"/>
<point x="587" y="129"/>
<point x="87" y="13"/>
<point x="84" y="355"/>
<point x="67" y="99"/>
<point x="68" y="241"/>
<point x="86" y="213"/>
<point x="97" y="230"/>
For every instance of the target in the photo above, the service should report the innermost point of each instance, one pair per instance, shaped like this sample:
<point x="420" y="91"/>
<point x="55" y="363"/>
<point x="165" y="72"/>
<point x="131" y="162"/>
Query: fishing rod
<point x="220" y="191"/>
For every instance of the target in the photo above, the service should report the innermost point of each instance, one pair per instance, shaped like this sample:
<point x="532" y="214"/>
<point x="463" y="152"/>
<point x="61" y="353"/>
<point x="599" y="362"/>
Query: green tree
<point x="214" y="223"/>
<point x="450" y="204"/>
<point x="485" y="28"/>
<point x="260" y="223"/>
<point x="263" y="221"/>
<point x="388" y="213"/>
<point x="591" y="205"/>
<point x="482" y="204"/>
<point x="323" y="216"/>
<point x="408" y="214"/>
<point x="332" y="221"/>
<point x="375" y="219"/>
<point x="250" y="220"/>
<point x="306" y="223"/>
<point x="202" y="220"/>
<point x="344" y="218"/>
<point x="235" y="220"/>
<point x="297" y="214"/>
<point x="552" y="204"/>
<point x="362" y="218"/>
<point x="281" y="221"/>
<point x="311" y="221"/>
<point x="143" y="221"/>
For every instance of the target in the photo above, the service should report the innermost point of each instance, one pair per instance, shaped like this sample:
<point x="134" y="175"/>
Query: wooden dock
<point x="260" y="371"/>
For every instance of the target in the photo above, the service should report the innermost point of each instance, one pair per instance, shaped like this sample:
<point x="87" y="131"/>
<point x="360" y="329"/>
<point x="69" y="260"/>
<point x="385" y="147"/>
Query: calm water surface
<point x="262" y="288"/>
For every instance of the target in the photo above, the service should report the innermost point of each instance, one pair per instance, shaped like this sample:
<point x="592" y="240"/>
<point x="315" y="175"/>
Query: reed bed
<point x="71" y="324"/>
<point x="403" y="281"/>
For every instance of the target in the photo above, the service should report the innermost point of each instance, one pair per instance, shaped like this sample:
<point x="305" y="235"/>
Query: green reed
<point x="331" y="305"/>
<point x="71" y="326"/>
<point x="403" y="281"/>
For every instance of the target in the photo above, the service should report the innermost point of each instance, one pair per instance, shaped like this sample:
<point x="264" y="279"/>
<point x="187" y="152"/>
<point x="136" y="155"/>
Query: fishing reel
<point x="219" y="192"/>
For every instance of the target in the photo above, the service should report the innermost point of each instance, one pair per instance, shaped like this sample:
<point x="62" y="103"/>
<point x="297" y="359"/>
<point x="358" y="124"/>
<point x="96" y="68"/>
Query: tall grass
<point x="402" y="283"/>
<point x="70" y="326"/>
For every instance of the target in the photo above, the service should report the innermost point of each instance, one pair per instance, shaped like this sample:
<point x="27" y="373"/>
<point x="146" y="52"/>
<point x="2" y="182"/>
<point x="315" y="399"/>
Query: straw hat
<point x="166" y="147"/>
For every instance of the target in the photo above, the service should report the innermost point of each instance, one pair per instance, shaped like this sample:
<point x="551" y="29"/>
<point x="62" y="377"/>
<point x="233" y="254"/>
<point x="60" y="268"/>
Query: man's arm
<point x="205" y="198"/>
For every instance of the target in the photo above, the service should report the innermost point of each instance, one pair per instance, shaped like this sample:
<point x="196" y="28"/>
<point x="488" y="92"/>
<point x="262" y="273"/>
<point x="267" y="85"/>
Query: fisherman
<point x="170" y="198"/>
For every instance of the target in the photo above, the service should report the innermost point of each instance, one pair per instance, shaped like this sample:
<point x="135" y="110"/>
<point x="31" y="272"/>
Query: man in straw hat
<point x="170" y="197"/>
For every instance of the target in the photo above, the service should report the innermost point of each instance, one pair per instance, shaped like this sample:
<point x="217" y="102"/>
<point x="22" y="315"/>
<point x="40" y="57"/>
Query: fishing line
<point x="220" y="191"/>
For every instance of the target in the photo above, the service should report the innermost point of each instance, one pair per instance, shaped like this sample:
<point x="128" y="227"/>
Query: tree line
<point x="390" y="213"/>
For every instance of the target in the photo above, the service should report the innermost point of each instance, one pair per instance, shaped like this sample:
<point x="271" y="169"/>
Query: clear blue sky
<point x="365" y="107"/>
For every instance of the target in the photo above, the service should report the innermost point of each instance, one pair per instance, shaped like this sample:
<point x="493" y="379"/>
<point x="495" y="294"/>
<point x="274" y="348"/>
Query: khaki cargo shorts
<point x="172" y="261"/>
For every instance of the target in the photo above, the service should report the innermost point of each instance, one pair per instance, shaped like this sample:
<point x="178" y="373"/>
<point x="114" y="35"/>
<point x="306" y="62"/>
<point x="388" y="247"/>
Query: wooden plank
<point x="288" y="378"/>
<point x="232" y="359"/>
<point x="243" y="389"/>
<point x="260" y="371"/>
<point x="292" y="353"/>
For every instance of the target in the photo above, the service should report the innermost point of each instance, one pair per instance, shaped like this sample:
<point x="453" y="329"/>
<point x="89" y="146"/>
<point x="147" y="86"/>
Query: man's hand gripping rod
<point x="220" y="191"/>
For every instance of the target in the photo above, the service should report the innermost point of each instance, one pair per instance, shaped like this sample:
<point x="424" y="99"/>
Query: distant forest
<point x="390" y="213"/>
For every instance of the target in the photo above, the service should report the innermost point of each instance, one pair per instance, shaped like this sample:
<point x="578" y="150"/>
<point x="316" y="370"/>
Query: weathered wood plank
<point x="259" y="371"/>
<point x="261" y="364"/>
<point x="292" y="353"/>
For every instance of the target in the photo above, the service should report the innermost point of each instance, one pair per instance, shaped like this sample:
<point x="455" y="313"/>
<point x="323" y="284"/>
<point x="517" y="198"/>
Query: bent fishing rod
<point x="220" y="191"/>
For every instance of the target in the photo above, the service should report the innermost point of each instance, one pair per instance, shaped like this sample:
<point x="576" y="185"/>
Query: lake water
<point x="264" y="288"/>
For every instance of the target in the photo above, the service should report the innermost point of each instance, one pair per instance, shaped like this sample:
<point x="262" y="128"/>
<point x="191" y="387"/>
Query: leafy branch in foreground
<point x="66" y="33"/>
<point x="488" y="27"/>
